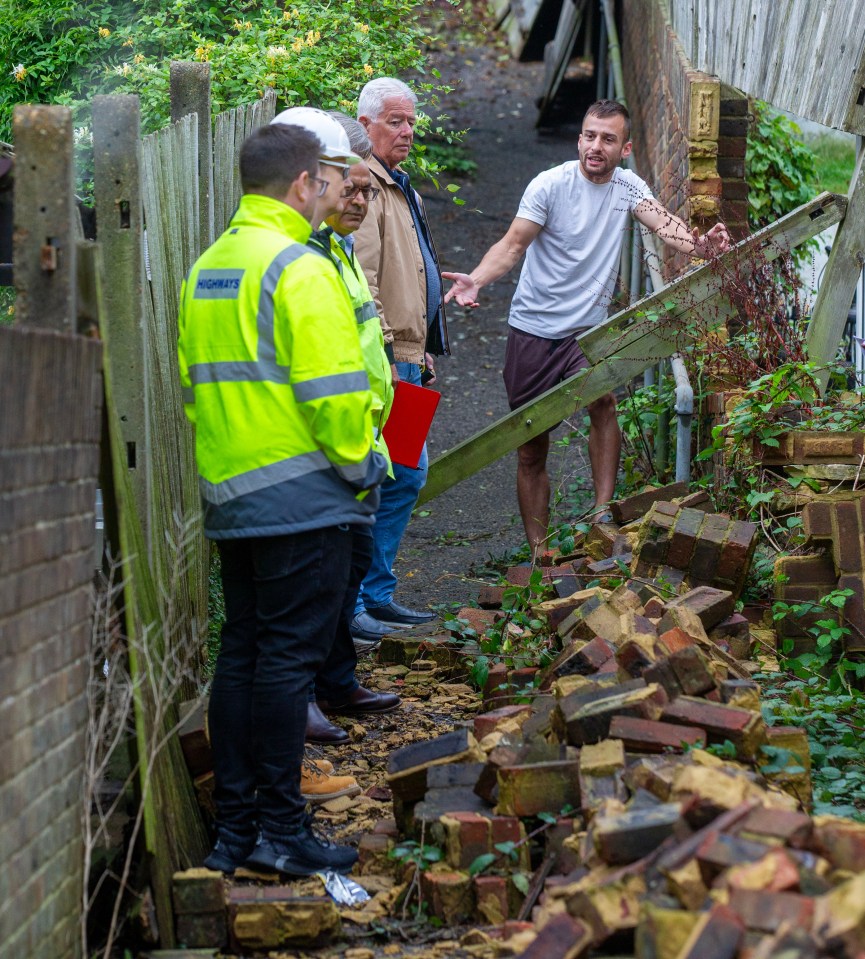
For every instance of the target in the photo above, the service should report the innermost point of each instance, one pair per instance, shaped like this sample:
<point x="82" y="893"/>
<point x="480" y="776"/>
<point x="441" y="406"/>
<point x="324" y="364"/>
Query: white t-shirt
<point x="569" y="275"/>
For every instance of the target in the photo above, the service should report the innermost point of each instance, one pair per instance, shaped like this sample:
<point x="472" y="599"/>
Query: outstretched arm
<point x="498" y="259"/>
<point x="675" y="233"/>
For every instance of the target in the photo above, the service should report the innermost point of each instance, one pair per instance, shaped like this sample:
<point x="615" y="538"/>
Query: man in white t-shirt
<point x="570" y="225"/>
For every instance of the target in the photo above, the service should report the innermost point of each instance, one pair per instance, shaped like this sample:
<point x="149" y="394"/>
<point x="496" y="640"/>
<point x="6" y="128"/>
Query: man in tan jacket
<point x="396" y="251"/>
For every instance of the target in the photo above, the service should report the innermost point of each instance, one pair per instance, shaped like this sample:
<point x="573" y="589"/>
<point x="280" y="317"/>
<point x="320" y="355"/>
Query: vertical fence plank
<point x="44" y="214"/>
<point x="117" y="189"/>
<point x="190" y="93"/>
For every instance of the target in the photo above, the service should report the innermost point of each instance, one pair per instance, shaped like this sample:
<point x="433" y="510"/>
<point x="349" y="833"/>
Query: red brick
<point x="478" y="619"/>
<point x="842" y="842"/>
<point x="519" y="575"/>
<point x="490" y="597"/>
<point x="817" y="521"/>
<point x="633" y="659"/>
<point x="506" y="829"/>
<point x="736" y="553"/>
<point x="450" y="895"/>
<point x="692" y="671"/>
<point x="816" y="570"/>
<point x="746" y="730"/>
<point x="717" y="935"/>
<point x="675" y="639"/>
<point x="766" y="911"/>
<point x="566" y="859"/>
<point x="632" y="507"/>
<point x="710" y="604"/>
<point x="731" y="146"/>
<point x="491" y="896"/>
<point x="792" y="828"/>
<point x="652" y="736"/>
<point x="472" y="839"/>
<point x="847" y="539"/>
<point x="560" y="938"/>
<point x="486" y="723"/>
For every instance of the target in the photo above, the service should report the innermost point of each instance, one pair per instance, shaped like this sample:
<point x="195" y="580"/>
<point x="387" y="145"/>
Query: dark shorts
<point x="534" y="364"/>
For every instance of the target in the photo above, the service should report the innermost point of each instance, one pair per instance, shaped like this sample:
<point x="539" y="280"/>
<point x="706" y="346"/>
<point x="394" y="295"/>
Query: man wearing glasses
<point x="396" y="251"/>
<point x="274" y="381"/>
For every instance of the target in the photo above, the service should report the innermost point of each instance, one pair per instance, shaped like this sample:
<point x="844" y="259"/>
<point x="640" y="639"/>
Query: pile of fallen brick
<point x="598" y="815"/>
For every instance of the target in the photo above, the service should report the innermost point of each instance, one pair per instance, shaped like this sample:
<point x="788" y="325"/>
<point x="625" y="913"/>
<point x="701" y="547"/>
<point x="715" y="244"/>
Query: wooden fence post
<point x="117" y="163"/>
<point x="845" y="265"/>
<point x="44" y="228"/>
<point x="190" y="93"/>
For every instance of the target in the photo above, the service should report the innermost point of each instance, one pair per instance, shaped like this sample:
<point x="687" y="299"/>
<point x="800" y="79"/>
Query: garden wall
<point x="50" y="403"/>
<point x="689" y="130"/>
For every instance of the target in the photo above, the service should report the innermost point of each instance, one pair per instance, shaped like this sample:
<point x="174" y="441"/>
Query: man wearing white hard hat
<point x="274" y="381"/>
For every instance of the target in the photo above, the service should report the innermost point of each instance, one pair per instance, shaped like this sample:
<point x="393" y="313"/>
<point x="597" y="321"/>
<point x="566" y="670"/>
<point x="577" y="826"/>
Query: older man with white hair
<point x="395" y="248"/>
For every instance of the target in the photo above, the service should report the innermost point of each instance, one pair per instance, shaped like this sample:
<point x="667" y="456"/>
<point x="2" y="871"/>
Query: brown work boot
<point x="318" y="786"/>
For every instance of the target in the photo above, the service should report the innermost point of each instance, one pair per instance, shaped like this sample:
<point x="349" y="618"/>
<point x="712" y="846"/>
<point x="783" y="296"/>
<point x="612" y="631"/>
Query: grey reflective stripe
<point x="237" y="372"/>
<point x="188" y="394"/>
<point x="263" y="477"/>
<point x="333" y="385"/>
<point x="355" y="472"/>
<point x="366" y="312"/>
<point x="264" y="368"/>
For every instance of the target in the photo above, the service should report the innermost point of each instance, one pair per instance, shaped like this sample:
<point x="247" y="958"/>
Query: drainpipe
<point x="684" y="408"/>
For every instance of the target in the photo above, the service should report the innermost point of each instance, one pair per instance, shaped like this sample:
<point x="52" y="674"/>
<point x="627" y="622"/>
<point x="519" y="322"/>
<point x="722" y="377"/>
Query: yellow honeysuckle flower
<point x="129" y="42"/>
<point x="19" y="72"/>
<point x="364" y="28"/>
<point x="104" y="32"/>
<point x="138" y="58"/>
<point x="297" y="46"/>
<point x="367" y="69"/>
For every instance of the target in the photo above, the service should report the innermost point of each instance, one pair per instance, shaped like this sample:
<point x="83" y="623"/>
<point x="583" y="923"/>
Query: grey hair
<point x="370" y="103"/>
<point x="357" y="138"/>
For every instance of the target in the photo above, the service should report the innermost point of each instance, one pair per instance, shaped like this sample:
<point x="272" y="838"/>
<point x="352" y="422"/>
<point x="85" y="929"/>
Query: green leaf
<point x="521" y="882"/>
<point x="484" y="861"/>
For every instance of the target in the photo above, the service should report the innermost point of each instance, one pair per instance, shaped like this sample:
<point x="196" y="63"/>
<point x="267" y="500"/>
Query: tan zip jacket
<point x="388" y="249"/>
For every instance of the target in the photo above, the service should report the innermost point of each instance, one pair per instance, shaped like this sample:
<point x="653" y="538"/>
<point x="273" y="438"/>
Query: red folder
<point x="411" y="416"/>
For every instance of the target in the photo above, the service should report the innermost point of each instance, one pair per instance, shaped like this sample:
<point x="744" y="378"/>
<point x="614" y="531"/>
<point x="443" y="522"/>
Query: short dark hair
<point x="273" y="157"/>
<point x="611" y="108"/>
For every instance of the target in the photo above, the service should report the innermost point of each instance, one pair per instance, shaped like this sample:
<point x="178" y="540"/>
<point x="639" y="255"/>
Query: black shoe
<point x="396" y="615"/>
<point x="361" y="701"/>
<point x="319" y="729"/>
<point x="301" y="854"/>
<point x="229" y="852"/>
<point x="365" y="629"/>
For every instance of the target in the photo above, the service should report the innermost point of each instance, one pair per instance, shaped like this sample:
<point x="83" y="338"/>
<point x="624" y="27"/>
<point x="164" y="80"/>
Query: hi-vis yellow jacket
<point x="274" y="381"/>
<point x="371" y="339"/>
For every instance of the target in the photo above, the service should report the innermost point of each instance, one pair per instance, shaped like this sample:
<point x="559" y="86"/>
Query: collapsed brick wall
<point x="689" y="131"/>
<point x="50" y="402"/>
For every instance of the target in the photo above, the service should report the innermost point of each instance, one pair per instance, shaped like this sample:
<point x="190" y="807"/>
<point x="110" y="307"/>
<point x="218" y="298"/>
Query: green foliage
<point x="835" y="160"/>
<point x="64" y="51"/>
<point x="420" y="855"/>
<point x="780" y="170"/>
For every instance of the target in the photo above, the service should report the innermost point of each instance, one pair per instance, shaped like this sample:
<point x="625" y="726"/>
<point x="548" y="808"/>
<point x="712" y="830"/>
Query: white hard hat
<point x="333" y="138"/>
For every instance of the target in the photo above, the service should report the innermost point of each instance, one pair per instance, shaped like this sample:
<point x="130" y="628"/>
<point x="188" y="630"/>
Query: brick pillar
<point x="732" y="141"/>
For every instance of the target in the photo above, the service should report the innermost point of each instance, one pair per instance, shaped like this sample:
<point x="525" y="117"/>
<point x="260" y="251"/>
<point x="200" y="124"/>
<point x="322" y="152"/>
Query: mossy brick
<point x="573" y="660"/>
<point x="467" y="836"/>
<point x="662" y="931"/>
<point x="198" y="890"/>
<point x="272" y="918"/>
<point x="653" y="736"/>
<point x="440" y="802"/>
<point x="745" y="729"/>
<point x="571" y="704"/>
<point x="602" y="759"/>
<point x="202" y="930"/>
<point x="491" y="899"/>
<point x="611" y="565"/>
<point x="533" y="788"/>
<point x="787" y="826"/>
<point x="599" y="540"/>
<point x="710" y="604"/>
<point x="692" y="671"/>
<point x="491" y="597"/>
<point x="847" y="541"/>
<point x="717" y="934"/>
<point x="605" y="621"/>
<point x="683" y="537"/>
<point x="633" y="658"/>
<point x="817" y="570"/>
<point x="608" y="903"/>
<point x="561" y="937"/>
<point x="822" y="447"/>
<point x="591" y="722"/>
<point x="519" y="575"/>
<point x="573" y="627"/>
<point x="631" y="507"/>
<point x="817" y="521"/>
<point x="449" y="895"/>
<point x="841" y="841"/>
<point x="744" y="693"/>
<point x="721" y="851"/>
<point x="627" y="836"/>
<point x="397" y="649"/>
<point x="487" y="723"/>
<point x="736" y="553"/>
<point x="537" y="750"/>
<point x="853" y="614"/>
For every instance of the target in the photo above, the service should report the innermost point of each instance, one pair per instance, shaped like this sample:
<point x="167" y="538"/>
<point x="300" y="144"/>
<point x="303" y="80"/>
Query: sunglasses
<point x="340" y="166"/>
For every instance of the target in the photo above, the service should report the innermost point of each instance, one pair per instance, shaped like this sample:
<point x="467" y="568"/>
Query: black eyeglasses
<point x="322" y="185"/>
<point x="369" y="193"/>
<point x="342" y="167"/>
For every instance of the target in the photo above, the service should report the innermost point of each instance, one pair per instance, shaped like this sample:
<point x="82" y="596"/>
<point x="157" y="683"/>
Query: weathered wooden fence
<point x="156" y="205"/>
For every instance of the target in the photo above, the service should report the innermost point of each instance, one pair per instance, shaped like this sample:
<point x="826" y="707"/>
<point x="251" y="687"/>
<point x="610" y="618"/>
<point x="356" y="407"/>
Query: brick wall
<point x="49" y="434"/>
<point x="688" y="131"/>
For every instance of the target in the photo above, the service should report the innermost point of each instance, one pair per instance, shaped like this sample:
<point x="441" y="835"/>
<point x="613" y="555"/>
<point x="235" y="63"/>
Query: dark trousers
<point x="336" y="681"/>
<point x="283" y="596"/>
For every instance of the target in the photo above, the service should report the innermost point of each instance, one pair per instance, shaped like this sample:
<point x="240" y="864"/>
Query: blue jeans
<point x="398" y="498"/>
<point x="282" y="601"/>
